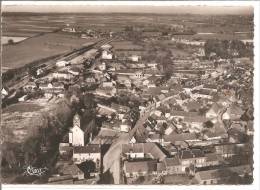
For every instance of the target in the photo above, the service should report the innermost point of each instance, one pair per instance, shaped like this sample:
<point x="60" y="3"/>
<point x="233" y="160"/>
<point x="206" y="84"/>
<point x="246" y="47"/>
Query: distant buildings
<point x="69" y="29"/>
<point x="62" y="63"/>
<point x="62" y="75"/>
<point x="106" y="55"/>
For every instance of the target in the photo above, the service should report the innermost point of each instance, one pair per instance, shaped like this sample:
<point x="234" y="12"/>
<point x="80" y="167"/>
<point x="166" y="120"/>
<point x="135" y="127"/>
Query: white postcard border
<point x="256" y="5"/>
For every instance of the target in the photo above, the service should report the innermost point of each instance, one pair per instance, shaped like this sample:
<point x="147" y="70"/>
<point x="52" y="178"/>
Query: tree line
<point x="227" y="48"/>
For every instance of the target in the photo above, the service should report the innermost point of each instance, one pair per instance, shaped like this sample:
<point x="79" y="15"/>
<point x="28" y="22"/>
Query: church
<point x="81" y="133"/>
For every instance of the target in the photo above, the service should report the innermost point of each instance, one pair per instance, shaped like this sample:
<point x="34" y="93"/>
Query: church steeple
<point x="76" y="120"/>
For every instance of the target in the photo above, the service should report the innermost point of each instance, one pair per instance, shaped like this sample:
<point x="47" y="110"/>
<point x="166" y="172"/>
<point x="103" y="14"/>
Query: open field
<point x="39" y="47"/>
<point x="15" y="39"/>
<point x="18" y="122"/>
<point x="224" y="36"/>
<point x="199" y="23"/>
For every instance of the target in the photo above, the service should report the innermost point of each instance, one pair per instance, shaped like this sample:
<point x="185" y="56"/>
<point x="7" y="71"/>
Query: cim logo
<point x="33" y="171"/>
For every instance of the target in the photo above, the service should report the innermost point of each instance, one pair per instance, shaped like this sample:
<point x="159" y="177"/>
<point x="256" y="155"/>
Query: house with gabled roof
<point x="143" y="150"/>
<point x="90" y="152"/>
<point x="211" y="87"/>
<point x="221" y="176"/>
<point x="213" y="159"/>
<point x="72" y="170"/>
<point x="210" y="177"/>
<point x="154" y="137"/>
<point x="228" y="150"/>
<point x="211" y="135"/>
<point x="234" y="112"/>
<point x="191" y="106"/>
<point x="120" y="108"/>
<point x="173" y="165"/>
<point x="158" y="99"/>
<point x="214" y="111"/>
<point x="140" y="168"/>
<point x="182" y="114"/>
<point x="236" y="136"/>
<point x="202" y="93"/>
<point x="195" y="123"/>
<point x="169" y="129"/>
<point x="175" y="138"/>
<point x="195" y="157"/>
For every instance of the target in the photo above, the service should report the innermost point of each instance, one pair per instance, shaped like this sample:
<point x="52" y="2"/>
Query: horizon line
<point x="131" y="9"/>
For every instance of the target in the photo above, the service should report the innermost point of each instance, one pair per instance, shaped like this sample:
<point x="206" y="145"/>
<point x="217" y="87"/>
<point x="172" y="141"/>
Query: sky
<point x="121" y="7"/>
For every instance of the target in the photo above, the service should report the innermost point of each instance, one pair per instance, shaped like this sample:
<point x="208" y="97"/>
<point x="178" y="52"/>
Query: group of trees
<point x="10" y="41"/>
<point x="227" y="48"/>
<point x="134" y="115"/>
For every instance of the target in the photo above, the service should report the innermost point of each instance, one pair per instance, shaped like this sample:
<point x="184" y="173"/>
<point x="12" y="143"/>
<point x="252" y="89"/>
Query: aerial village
<point x="188" y="120"/>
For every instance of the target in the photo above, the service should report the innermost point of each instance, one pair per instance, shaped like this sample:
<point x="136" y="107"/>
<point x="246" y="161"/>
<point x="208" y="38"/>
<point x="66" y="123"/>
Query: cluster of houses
<point x="188" y="116"/>
<point x="193" y="123"/>
<point x="149" y="159"/>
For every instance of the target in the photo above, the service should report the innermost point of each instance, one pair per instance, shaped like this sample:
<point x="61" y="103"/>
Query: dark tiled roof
<point x="91" y="148"/>
<point x="202" y="91"/>
<point x="171" y="162"/>
<point x="193" y="105"/>
<point x="214" y="174"/>
<point x="235" y="110"/>
<point x="147" y="148"/>
<point x="184" y="113"/>
<point x="70" y="170"/>
<point x="194" y="153"/>
<point x="173" y="137"/>
<point x="197" y="119"/>
<point x="223" y="173"/>
<point x="213" y="157"/>
<point x="141" y="166"/>
<point x="135" y="148"/>
<point x="241" y="169"/>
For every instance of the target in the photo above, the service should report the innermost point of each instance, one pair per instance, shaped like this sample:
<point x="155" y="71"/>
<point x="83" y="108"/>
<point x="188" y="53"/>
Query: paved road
<point x="220" y="118"/>
<point x="111" y="159"/>
<point x="141" y="120"/>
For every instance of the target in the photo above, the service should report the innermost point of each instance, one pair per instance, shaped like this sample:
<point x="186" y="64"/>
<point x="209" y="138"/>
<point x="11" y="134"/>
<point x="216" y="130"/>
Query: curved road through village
<point x="111" y="159"/>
